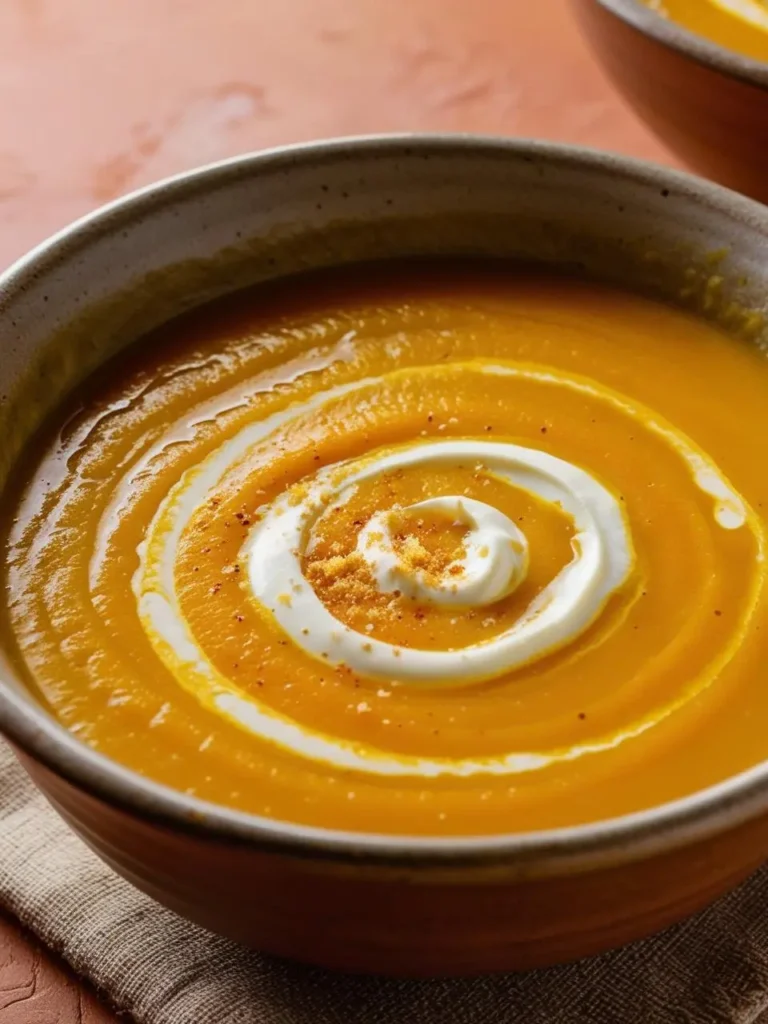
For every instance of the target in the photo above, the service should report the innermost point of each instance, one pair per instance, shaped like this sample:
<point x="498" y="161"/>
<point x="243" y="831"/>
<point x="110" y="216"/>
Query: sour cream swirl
<point x="493" y="564"/>
<point x="602" y="560"/>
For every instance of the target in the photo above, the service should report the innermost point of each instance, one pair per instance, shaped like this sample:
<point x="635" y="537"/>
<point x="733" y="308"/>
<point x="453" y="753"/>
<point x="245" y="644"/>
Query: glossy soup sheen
<point x="738" y="25"/>
<point x="133" y="564"/>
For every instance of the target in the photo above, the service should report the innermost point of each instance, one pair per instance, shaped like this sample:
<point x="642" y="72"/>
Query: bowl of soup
<point x="384" y="547"/>
<point x="696" y="71"/>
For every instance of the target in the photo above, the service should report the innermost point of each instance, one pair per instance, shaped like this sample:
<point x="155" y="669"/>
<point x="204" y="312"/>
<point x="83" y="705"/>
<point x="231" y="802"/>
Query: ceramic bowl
<point x="378" y="903"/>
<point x="708" y="104"/>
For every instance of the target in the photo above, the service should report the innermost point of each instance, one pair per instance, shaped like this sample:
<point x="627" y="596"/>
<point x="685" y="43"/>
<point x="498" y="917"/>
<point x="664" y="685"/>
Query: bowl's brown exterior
<point x="710" y="109"/>
<point x="399" y="920"/>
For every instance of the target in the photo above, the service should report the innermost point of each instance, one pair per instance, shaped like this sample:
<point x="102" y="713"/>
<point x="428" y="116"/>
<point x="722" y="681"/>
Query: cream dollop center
<point x="493" y="563"/>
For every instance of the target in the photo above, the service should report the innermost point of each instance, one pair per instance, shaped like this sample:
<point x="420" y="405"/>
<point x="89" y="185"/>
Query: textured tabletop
<point x="98" y="97"/>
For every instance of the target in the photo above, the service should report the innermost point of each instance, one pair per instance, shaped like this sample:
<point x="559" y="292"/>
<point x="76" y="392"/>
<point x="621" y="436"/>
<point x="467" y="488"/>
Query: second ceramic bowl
<point x="708" y="104"/>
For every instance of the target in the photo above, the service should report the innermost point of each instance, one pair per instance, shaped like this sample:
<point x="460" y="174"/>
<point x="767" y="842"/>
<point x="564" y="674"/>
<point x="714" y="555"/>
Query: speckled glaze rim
<point x="553" y="852"/>
<point x="698" y="48"/>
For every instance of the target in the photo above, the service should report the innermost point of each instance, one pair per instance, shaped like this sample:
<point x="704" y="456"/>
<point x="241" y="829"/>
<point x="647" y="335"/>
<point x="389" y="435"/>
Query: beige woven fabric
<point x="164" y="971"/>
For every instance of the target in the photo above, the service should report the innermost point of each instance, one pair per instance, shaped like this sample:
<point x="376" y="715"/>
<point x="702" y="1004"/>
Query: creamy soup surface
<point x="424" y="548"/>
<point x="739" y="25"/>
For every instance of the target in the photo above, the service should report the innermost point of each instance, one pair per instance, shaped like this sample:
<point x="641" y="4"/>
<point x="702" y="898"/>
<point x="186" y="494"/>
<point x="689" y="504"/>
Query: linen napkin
<point x="161" y="970"/>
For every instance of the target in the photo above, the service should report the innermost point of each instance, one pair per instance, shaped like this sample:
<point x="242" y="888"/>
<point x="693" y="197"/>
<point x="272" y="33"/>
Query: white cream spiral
<point x="602" y="560"/>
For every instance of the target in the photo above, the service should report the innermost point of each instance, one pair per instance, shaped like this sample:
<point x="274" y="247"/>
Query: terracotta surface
<point x="35" y="986"/>
<point x="98" y="98"/>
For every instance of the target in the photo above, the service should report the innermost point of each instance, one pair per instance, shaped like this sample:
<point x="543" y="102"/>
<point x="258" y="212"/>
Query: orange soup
<point x="740" y="25"/>
<point x="429" y="549"/>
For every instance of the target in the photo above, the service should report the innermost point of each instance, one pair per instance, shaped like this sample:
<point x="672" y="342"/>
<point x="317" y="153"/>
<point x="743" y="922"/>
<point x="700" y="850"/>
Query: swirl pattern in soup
<point x="428" y="549"/>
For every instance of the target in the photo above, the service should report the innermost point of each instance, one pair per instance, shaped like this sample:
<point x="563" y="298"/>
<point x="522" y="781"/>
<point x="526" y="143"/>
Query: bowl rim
<point x="687" y="43"/>
<point x="573" y="849"/>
